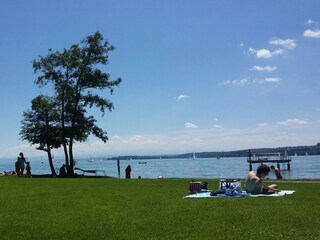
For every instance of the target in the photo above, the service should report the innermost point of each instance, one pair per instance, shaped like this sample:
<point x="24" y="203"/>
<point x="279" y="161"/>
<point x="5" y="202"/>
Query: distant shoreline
<point x="291" y="151"/>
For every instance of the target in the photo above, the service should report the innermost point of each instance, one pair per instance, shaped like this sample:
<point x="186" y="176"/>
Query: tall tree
<point x="76" y="77"/>
<point x="40" y="125"/>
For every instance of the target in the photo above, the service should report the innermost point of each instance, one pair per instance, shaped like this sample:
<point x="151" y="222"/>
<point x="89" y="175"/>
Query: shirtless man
<point x="254" y="184"/>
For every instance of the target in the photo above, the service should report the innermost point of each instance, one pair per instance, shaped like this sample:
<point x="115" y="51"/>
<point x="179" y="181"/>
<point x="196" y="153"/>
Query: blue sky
<point x="197" y="75"/>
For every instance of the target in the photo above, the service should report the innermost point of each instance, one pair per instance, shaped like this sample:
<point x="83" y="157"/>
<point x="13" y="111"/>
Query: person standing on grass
<point x="28" y="168"/>
<point x="276" y="172"/>
<point x="254" y="182"/>
<point x="20" y="164"/>
<point x="128" y="171"/>
<point x="16" y="165"/>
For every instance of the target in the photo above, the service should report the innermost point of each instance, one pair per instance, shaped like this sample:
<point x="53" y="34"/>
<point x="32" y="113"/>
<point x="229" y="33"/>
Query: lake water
<point x="203" y="168"/>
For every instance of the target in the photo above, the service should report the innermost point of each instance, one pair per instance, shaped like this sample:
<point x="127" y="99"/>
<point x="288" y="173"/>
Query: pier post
<point x="250" y="167"/>
<point x="278" y="165"/>
<point x="288" y="166"/>
<point x="118" y="165"/>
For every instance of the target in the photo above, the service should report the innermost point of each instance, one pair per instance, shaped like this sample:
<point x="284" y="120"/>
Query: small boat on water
<point x="142" y="162"/>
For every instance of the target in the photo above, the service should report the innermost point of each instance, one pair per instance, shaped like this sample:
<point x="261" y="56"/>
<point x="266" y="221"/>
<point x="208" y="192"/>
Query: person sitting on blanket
<point x="254" y="183"/>
<point x="62" y="170"/>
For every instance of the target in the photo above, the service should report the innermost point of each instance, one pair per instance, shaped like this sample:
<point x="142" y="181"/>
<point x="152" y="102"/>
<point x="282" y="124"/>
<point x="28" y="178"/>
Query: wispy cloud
<point x="265" y="53"/>
<point x="241" y="82"/>
<point x="311" y="33"/>
<point x="247" y="81"/>
<point x="263" y="69"/>
<point x="292" y="122"/>
<point x="270" y="80"/>
<point x="190" y="125"/>
<point x="262" y="125"/>
<point x="310" y="22"/>
<point x="290" y="132"/>
<point x="286" y="43"/>
<point x="115" y="137"/>
<point x="181" y="97"/>
<point x="139" y="139"/>
<point x="216" y="126"/>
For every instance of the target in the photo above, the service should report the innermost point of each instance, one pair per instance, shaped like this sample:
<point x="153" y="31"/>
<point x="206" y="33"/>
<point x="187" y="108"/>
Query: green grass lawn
<point x="108" y="208"/>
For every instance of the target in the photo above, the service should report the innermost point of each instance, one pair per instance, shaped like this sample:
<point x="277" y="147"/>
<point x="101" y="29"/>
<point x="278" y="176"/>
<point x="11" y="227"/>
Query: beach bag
<point x="225" y="184"/>
<point x="232" y="187"/>
<point x="195" y="187"/>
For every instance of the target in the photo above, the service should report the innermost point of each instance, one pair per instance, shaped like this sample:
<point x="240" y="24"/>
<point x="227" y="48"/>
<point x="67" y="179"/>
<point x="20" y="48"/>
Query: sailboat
<point x="194" y="156"/>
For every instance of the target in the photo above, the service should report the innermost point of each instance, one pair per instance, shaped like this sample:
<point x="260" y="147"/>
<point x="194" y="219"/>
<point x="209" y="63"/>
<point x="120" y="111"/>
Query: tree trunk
<point x="53" y="171"/>
<point x="71" y="166"/>
<point x="63" y="130"/>
<point x="73" y="121"/>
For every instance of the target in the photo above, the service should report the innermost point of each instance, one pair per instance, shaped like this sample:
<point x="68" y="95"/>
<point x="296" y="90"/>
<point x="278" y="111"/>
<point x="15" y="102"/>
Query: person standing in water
<point x="276" y="172"/>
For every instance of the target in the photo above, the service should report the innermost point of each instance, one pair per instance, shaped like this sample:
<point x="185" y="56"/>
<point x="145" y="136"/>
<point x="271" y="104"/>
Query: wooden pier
<point x="268" y="158"/>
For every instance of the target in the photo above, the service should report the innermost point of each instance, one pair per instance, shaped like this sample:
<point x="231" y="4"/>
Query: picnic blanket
<point x="206" y="194"/>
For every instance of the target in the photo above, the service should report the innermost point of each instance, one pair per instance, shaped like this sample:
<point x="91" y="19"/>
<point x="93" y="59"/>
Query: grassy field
<point x="107" y="208"/>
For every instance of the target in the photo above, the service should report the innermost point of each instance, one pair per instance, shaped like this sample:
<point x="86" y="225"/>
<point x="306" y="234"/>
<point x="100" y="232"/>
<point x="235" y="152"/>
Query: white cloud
<point x="290" y="132"/>
<point x="312" y="33"/>
<point x="292" y="122"/>
<point x="310" y="22"/>
<point x="263" y="69"/>
<point x="218" y="126"/>
<point x="265" y="53"/>
<point x="190" y="125"/>
<point x="136" y="139"/>
<point x="286" y="43"/>
<point x="181" y="97"/>
<point x="241" y="82"/>
<point x="27" y="149"/>
<point x="271" y="80"/>
<point x="115" y="137"/>
<point x="262" y="125"/>
<point x="245" y="81"/>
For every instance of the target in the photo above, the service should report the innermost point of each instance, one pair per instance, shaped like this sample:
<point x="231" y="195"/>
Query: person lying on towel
<point x="254" y="182"/>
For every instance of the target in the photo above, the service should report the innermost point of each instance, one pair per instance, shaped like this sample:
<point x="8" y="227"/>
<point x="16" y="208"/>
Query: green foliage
<point x="107" y="208"/>
<point x="76" y="76"/>
<point x="40" y="124"/>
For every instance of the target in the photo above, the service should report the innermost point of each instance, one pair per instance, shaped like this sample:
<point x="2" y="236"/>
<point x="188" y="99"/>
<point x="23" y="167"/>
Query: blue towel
<point x="243" y="194"/>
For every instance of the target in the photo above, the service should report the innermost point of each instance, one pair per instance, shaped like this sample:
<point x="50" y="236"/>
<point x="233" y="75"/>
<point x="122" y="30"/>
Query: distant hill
<point x="291" y="151"/>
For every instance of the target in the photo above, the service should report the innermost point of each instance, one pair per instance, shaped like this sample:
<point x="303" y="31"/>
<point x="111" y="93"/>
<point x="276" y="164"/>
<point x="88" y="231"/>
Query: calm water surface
<point x="301" y="167"/>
